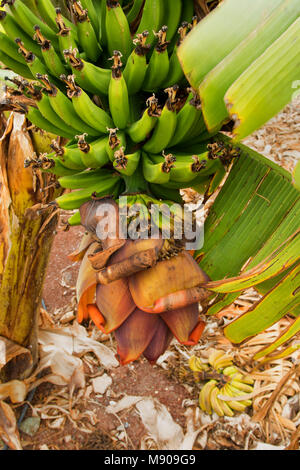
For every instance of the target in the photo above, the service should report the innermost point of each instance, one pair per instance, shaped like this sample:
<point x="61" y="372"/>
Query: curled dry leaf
<point x="15" y="390"/>
<point x="8" y="427"/>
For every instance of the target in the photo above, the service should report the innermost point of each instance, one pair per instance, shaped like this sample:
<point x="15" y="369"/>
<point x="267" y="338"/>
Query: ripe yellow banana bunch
<point x="225" y="385"/>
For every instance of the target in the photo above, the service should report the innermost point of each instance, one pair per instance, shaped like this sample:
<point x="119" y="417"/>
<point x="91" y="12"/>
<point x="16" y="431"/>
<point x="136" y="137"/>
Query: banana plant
<point x="26" y="238"/>
<point x="142" y="92"/>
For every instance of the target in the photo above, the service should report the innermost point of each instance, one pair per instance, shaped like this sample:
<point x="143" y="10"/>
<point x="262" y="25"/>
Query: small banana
<point x="9" y="47"/>
<point x="136" y="65"/>
<point x="75" y="199"/>
<point x="84" y="179"/>
<point x="92" y="14"/>
<point x="187" y="171"/>
<point x="116" y="24"/>
<point x="88" y="76"/>
<point x="86" y="34"/>
<point x="126" y="164"/>
<point x="115" y="141"/>
<point x="64" y="107"/>
<point x="139" y="130"/>
<point x="51" y="59"/>
<point x="175" y="73"/>
<point x="35" y="116"/>
<point x="214" y="355"/>
<point x="158" y="173"/>
<point x="152" y="17"/>
<point x="86" y="109"/>
<point x="94" y="154"/>
<point x="69" y="156"/>
<point x="187" y="117"/>
<point x="215" y="402"/>
<point x="159" y="63"/>
<point x="15" y="65"/>
<point x="75" y="219"/>
<point x="118" y="94"/>
<point x="66" y="37"/>
<point x="13" y="30"/>
<point x="28" y="20"/>
<point x="172" y="15"/>
<point x="166" y="125"/>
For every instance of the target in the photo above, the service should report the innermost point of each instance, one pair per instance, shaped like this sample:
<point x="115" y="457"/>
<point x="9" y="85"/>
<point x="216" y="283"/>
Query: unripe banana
<point x="118" y="94"/>
<point x="86" y="34"/>
<point x="86" y="108"/>
<point x="115" y="141"/>
<point x="84" y="179"/>
<point x="139" y="130"/>
<point x="136" y="66"/>
<point x="152" y="18"/>
<point x="165" y="127"/>
<point x="126" y="164"/>
<point x="94" y="154"/>
<point x="69" y="156"/>
<point x="88" y="76"/>
<point x="172" y="15"/>
<point x="66" y="38"/>
<point x="51" y="59"/>
<point x="75" y="219"/>
<point x="157" y="172"/>
<point x="64" y="107"/>
<point x="15" y="65"/>
<point x="159" y="64"/>
<point x="117" y="27"/>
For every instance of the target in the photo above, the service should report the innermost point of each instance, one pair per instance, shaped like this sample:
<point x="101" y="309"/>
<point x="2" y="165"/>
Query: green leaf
<point x="277" y="303"/>
<point x="286" y="255"/>
<point x="212" y="90"/>
<point x="291" y="331"/>
<point x="219" y="33"/>
<point x="296" y="176"/>
<point x="267" y="85"/>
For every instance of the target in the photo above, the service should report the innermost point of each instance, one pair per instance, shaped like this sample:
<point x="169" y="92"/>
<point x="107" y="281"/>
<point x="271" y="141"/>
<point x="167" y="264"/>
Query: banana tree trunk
<point x="25" y="241"/>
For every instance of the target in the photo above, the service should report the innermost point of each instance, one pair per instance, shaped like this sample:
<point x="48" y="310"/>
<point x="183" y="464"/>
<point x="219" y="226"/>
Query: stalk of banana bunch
<point x="107" y="80"/>
<point x="27" y="232"/>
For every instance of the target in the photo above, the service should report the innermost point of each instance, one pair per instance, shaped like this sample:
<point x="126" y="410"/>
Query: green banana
<point x="13" y="31"/>
<point x="35" y="116"/>
<point x="88" y="76"/>
<point x="165" y="127"/>
<point x="106" y="187"/>
<point x="94" y="154"/>
<point x="70" y="156"/>
<point x="136" y="66"/>
<point x="159" y="63"/>
<point x="28" y="20"/>
<point x="86" y="108"/>
<point x="175" y="73"/>
<point x="45" y="108"/>
<point x="118" y="94"/>
<point x="53" y="165"/>
<point x="86" y="34"/>
<point x="34" y="64"/>
<point x="92" y="14"/>
<point x="172" y="15"/>
<point x="158" y="173"/>
<point x="187" y="11"/>
<point x="16" y="66"/>
<point x="115" y="141"/>
<point x="51" y="59"/>
<point x="134" y="11"/>
<point x="187" y="117"/>
<point x="126" y="164"/>
<point x="64" y="107"/>
<point x="9" y="47"/>
<point x="84" y="179"/>
<point x="187" y="171"/>
<point x="139" y="130"/>
<point x="66" y="37"/>
<point x="75" y="219"/>
<point x="152" y="18"/>
<point x="100" y="7"/>
<point x="116" y="23"/>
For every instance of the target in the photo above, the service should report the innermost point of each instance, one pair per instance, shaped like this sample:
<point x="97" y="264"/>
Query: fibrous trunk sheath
<point x="25" y="243"/>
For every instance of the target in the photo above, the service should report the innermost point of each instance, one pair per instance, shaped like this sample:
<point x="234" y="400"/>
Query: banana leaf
<point x="251" y="239"/>
<point x="251" y="73"/>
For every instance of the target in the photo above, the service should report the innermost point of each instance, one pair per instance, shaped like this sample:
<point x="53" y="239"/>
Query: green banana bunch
<point x="224" y="385"/>
<point x="98" y="80"/>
